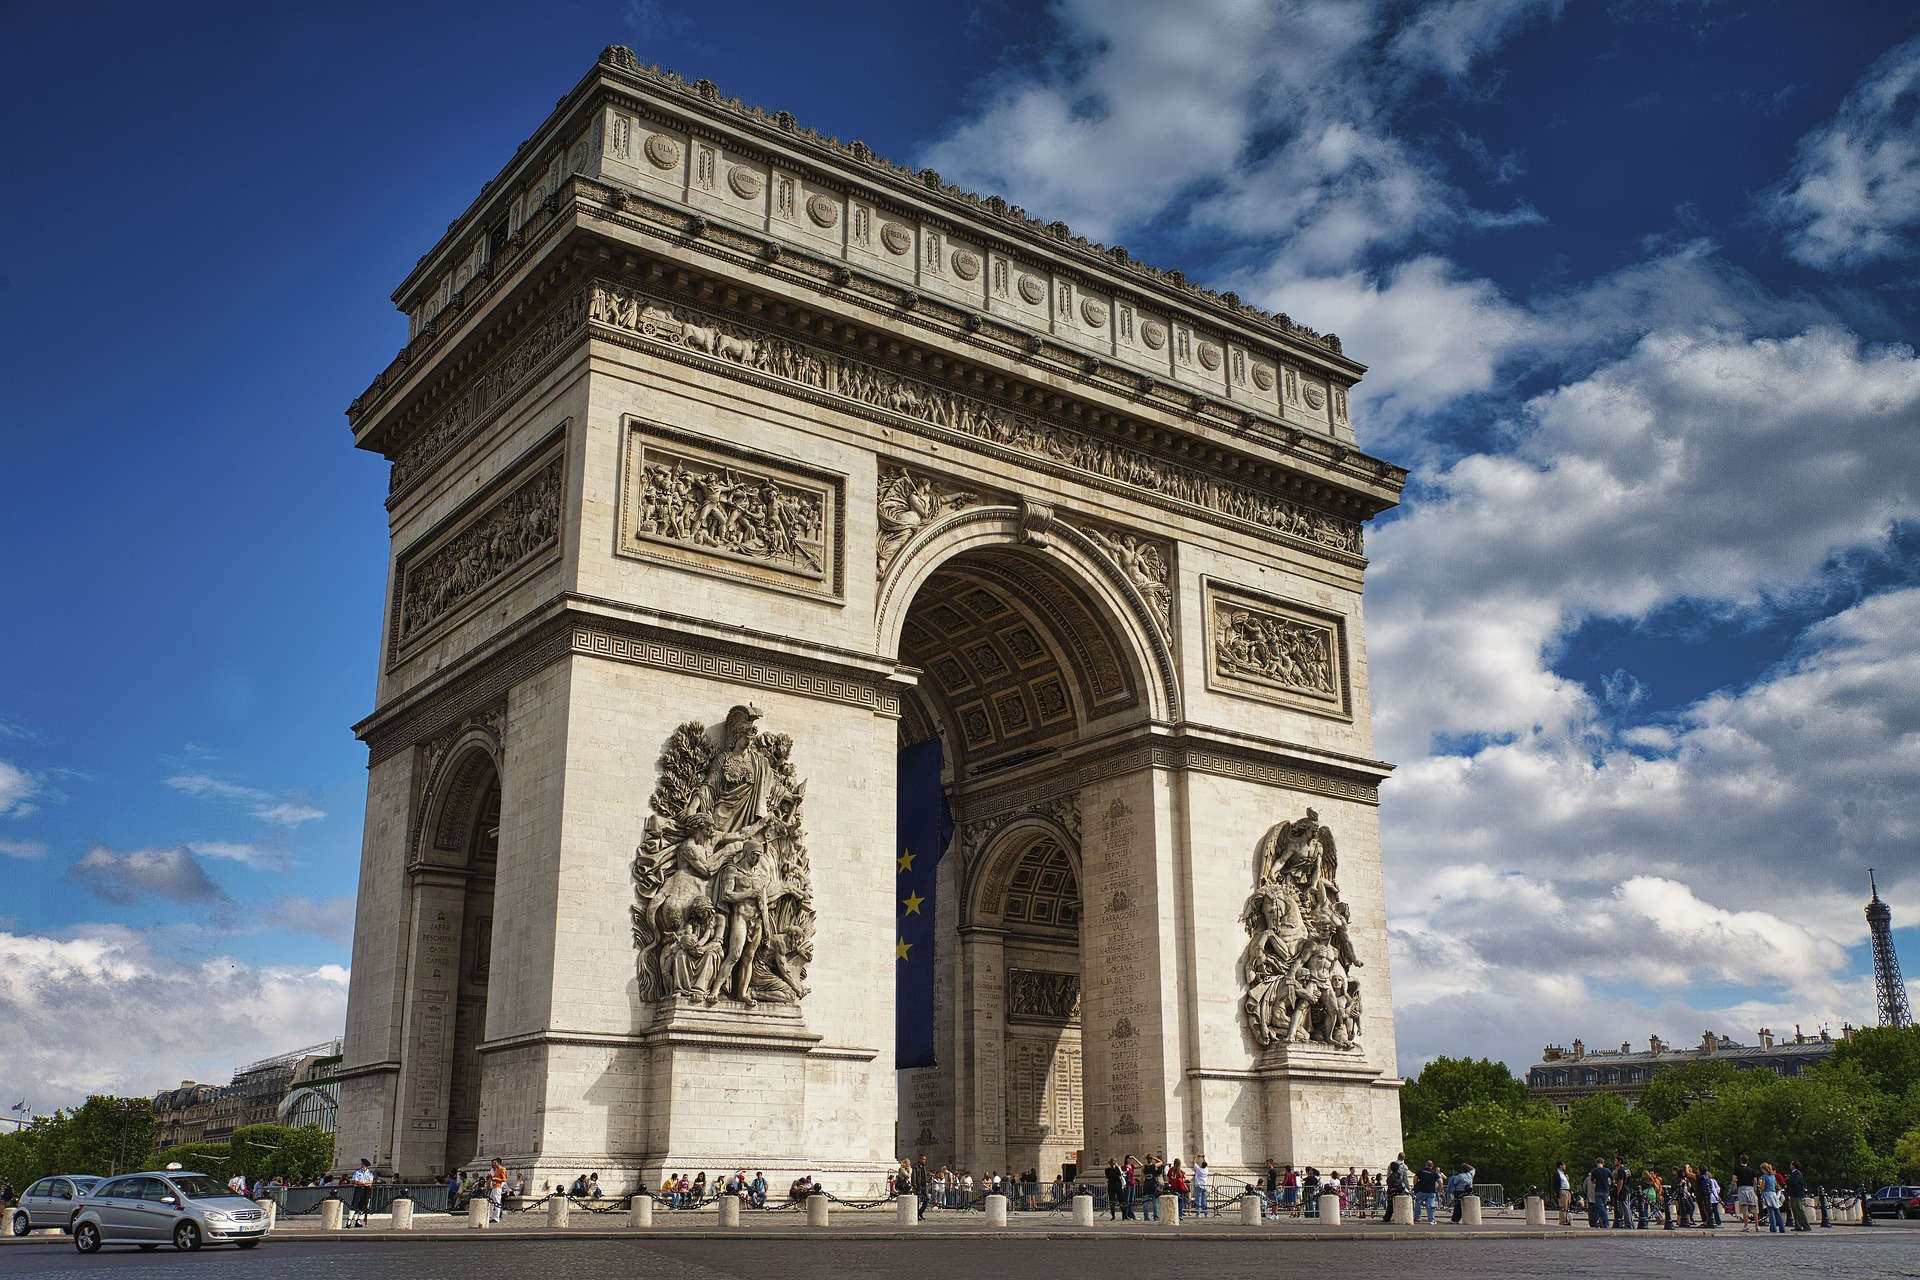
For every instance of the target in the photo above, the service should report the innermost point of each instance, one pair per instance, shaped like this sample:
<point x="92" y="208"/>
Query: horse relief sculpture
<point x="724" y="898"/>
<point x="1299" y="961"/>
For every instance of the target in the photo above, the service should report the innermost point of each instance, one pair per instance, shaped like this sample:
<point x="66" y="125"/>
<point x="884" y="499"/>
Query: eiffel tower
<point x="1887" y="983"/>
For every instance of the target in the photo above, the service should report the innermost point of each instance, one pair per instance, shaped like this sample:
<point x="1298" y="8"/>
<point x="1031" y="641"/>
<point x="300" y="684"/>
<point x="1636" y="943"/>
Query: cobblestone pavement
<point x="1890" y="1254"/>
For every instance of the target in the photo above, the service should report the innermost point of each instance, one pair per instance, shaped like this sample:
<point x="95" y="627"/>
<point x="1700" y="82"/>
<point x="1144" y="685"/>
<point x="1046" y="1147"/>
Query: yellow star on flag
<point x="901" y="948"/>
<point x="906" y="860"/>
<point x="913" y="901"/>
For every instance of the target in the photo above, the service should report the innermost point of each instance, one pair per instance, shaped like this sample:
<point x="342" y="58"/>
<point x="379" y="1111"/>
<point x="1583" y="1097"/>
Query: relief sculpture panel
<point x="453" y="569"/>
<point x="717" y="508"/>
<point x="723" y="888"/>
<point x="1276" y="651"/>
<point x="1299" y="963"/>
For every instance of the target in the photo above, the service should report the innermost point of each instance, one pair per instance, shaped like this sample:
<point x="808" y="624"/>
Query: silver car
<point x="50" y="1202"/>
<point x="151" y="1209"/>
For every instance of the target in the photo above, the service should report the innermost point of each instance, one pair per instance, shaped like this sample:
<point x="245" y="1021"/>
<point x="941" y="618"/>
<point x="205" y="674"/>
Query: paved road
<point x="1890" y="1255"/>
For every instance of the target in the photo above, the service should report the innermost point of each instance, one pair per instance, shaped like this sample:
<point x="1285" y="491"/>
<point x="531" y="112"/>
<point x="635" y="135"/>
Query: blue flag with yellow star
<point x="922" y="827"/>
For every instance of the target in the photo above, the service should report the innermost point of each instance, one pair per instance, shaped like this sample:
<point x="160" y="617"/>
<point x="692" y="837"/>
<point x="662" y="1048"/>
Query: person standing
<point x="1563" y="1193"/>
<point x="1710" y="1199"/>
<point x="1116" y="1188"/>
<point x="1797" y="1196"/>
<point x="1746" y="1199"/>
<point x="919" y="1182"/>
<point x="1599" y="1192"/>
<point x="1201" y="1181"/>
<point x="497" y="1191"/>
<point x="1426" y="1191"/>
<point x="1150" y="1175"/>
<point x="1773" y="1198"/>
<point x="362" y="1180"/>
<point x="1622" y="1185"/>
<point x="1460" y="1185"/>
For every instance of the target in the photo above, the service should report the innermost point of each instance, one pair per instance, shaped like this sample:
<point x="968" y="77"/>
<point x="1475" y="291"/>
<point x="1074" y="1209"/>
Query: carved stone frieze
<point x="723" y="891"/>
<point x="1043" y="995"/>
<point x="983" y="420"/>
<point x="1275" y="650"/>
<point x="907" y="503"/>
<point x="509" y="532"/>
<point x="1299" y="963"/>
<point x="714" y="506"/>
<point x="1146" y="563"/>
<point x="489" y="389"/>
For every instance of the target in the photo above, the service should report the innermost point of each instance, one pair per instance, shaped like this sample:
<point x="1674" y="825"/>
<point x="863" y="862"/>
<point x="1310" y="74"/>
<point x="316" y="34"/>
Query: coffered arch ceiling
<point x="1015" y="657"/>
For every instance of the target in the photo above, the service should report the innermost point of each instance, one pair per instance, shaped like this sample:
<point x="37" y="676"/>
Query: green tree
<point x="1603" y="1126"/>
<point x="1906" y="1155"/>
<point x="266" y="1151"/>
<point x="1890" y="1056"/>
<point x="1666" y="1095"/>
<point x="107" y="1135"/>
<point x="1447" y="1083"/>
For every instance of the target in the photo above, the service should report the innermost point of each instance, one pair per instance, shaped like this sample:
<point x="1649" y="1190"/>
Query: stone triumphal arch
<point x="727" y="461"/>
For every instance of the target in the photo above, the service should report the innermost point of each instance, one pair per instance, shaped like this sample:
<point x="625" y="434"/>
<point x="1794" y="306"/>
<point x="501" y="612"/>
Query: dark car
<point x="1895" y="1202"/>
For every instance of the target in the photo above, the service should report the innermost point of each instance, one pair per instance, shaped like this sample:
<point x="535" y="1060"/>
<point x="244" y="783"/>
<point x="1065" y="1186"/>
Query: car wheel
<point x="186" y="1236"/>
<point x="246" y="1244"/>
<point x="22" y="1224"/>
<point x="86" y="1237"/>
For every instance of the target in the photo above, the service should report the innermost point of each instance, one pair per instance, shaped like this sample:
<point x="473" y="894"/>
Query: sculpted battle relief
<point x="722" y="509"/>
<point x="1299" y="961"/>
<point x="881" y="387"/>
<point x="1275" y="650"/>
<point x="1039" y="993"/>
<point x="724" y="895"/>
<point x="752" y="517"/>
<point x="512" y="531"/>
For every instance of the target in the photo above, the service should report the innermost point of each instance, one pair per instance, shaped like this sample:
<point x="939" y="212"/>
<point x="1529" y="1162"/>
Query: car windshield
<point x="86" y="1184"/>
<point x="197" y="1186"/>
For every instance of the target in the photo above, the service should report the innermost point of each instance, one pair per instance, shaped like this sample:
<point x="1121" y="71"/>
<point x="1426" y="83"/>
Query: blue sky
<point x="1634" y="281"/>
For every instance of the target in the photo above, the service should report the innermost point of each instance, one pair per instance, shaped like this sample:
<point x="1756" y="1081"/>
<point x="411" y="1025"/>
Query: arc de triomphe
<point x="727" y="460"/>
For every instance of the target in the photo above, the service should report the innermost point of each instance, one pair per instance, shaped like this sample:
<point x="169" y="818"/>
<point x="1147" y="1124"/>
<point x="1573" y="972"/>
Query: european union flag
<point x="922" y="827"/>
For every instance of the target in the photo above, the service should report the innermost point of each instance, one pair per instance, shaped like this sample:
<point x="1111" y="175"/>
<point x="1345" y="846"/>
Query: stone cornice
<point x="450" y="401"/>
<point x="700" y="108"/>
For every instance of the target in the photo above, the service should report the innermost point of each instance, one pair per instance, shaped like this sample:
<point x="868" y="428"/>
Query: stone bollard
<point x="640" y="1211"/>
<point x="331" y="1214"/>
<point x="1330" y="1211"/>
<point x="996" y="1211"/>
<point x="558" y="1209"/>
<point x="1083" y="1211"/>
<point x="906" y="1211"/>
<point x="1469" y="1211"/>
<point x="1169" y="1211"/>
<point x="1536" y="1211"/>
<point x="477" y="1211"/>
<point x="403" y="1214"/>
<point x="1402" y="1210"/>
<point x="816" y="1210"/>
<point x="728" y="1208"/>
<point x="271" y="1208"/>
<point x="1250" y="1210"/>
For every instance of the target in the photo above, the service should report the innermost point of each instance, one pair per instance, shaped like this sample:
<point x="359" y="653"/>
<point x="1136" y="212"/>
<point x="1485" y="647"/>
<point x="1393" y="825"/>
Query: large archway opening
<point x="476" y="963"/>
<point x="1025" y="656"/>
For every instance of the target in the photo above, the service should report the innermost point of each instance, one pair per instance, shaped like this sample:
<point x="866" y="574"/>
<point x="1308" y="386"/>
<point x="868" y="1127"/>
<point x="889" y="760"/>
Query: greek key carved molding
<point x="875" y="386"/>
<point x="492" y="538"/>
<point x="716" y="507"/>
<point x="1276" y="651"/>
